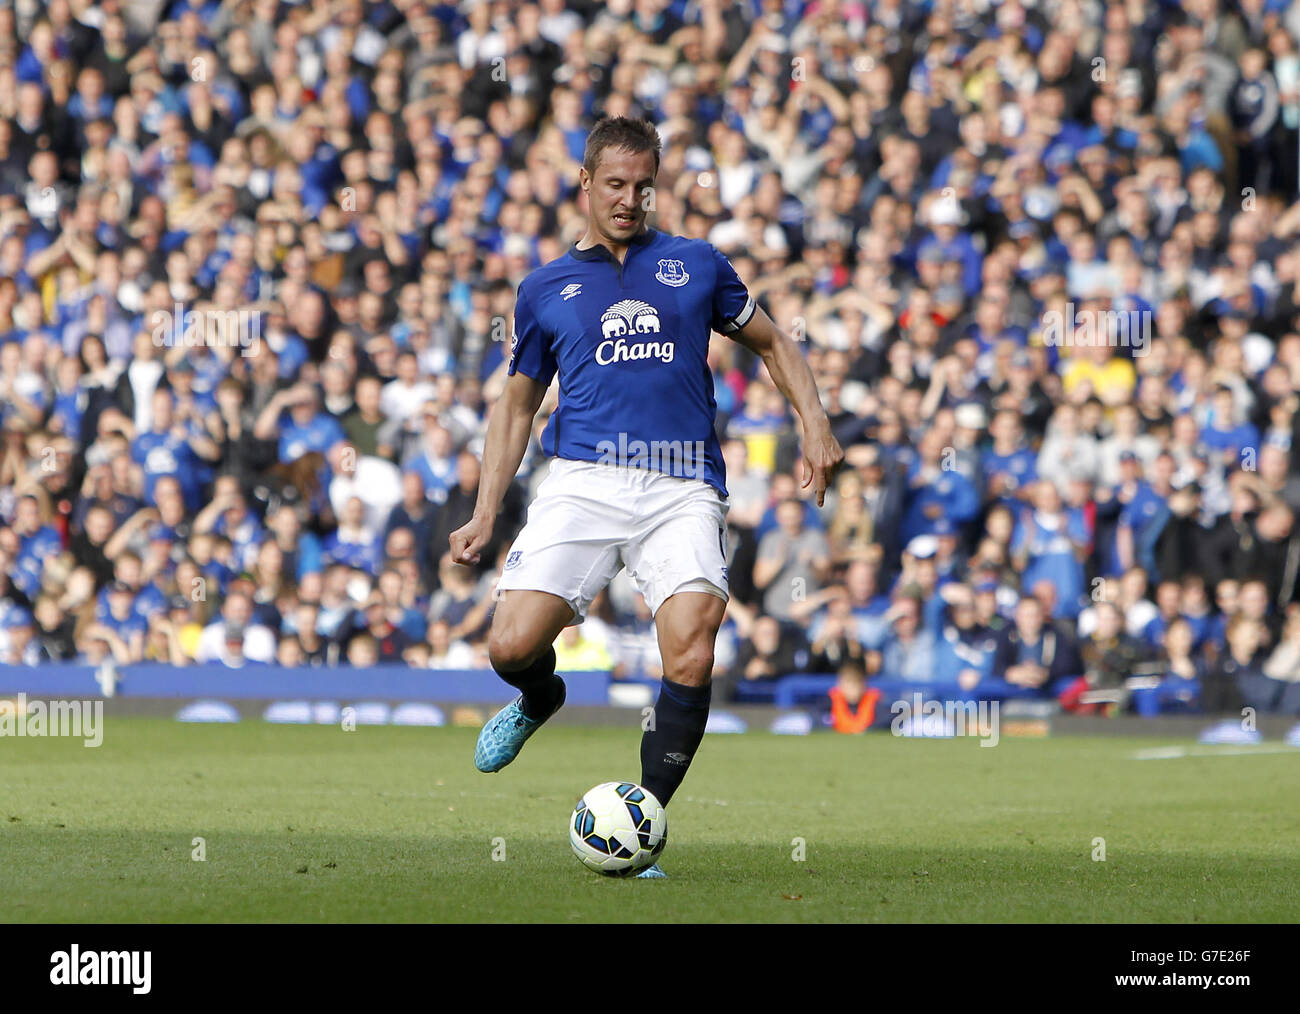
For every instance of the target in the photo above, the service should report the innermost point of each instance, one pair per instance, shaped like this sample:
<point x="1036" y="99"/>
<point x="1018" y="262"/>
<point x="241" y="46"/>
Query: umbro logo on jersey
<point x="672" y="273"/>
<point x="571" y="290"/>
<point x="621" y="324"/>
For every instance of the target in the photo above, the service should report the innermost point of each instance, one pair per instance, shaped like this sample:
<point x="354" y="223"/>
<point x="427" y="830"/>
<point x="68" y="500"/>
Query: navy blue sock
<point x="542" y="690"/>
<point x="674" y="735"/>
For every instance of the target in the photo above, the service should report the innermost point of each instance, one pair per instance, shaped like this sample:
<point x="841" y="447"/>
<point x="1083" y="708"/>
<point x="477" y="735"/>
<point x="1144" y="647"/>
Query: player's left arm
<point x="822" y="454"/>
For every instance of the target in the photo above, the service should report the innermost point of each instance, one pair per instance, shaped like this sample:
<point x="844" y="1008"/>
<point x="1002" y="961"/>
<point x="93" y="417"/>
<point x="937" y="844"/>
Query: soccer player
<point x="637" y="480"/>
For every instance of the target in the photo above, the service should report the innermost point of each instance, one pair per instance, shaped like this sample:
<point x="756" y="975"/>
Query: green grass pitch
<point x="383" y="824"/>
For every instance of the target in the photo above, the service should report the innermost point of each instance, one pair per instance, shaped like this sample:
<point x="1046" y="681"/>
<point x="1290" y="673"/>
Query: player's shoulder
<point x="682" y="260"/>
<point x="685" y="246"/>
<point x="543" y="279"/>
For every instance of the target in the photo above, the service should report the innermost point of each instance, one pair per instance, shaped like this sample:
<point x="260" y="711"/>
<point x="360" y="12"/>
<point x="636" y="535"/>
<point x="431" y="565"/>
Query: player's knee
<point x="511" y="651"/>
<point x="694" y="663"/>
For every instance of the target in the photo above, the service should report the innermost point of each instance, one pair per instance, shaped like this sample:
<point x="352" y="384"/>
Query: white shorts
<point x="590" y="520"/>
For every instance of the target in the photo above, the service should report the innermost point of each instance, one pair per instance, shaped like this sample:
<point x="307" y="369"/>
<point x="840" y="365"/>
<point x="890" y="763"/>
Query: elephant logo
<point x="621" y="324"/>
<point x="629" y="316"/>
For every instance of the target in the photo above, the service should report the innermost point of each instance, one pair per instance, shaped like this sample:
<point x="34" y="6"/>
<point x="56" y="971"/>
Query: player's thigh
<point x="524" y="625"/>
<point x="684" y="549"/>
<point x="687" y="624"/>
<point x="569" y="548"/>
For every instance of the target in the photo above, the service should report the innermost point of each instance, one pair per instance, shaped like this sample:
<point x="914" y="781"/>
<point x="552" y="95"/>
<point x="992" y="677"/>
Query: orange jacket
<point x="845" y="719"/>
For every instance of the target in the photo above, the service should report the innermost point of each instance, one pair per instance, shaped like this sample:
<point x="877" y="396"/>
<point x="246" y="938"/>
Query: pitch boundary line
<point x="1177" y="752"/>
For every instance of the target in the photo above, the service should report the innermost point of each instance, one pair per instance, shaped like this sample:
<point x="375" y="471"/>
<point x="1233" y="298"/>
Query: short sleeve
<point x="530" y="348"/>
<point x="733" y="307"/>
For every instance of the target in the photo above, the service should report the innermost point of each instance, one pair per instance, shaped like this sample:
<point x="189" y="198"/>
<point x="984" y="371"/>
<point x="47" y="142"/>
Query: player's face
<point x="619" y="193"/>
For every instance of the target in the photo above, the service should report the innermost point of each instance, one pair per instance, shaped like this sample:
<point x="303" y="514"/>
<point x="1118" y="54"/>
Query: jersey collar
<point x="600" y="252"/>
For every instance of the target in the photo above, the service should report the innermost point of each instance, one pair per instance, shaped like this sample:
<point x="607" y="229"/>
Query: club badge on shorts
<point x="672" y="272"/>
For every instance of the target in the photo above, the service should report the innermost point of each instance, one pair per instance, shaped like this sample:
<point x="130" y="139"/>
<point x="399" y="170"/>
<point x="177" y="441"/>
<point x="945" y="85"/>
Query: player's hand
<point x="822" y="457"/>
<point x="467" y="542"/>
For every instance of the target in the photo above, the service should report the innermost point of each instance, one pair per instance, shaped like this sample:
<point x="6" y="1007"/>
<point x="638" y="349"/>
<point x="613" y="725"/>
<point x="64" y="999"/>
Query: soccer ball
<point x="618" y="829"/>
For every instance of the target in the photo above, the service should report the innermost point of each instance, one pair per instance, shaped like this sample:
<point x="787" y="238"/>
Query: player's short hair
<point x="624" y="133"/>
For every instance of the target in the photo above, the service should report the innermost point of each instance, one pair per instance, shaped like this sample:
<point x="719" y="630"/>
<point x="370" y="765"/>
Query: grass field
<point x="305" y="823"/>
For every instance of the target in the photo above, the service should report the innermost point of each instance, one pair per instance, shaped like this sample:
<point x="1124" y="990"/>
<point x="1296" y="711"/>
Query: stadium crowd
<point x="257" y="268"/>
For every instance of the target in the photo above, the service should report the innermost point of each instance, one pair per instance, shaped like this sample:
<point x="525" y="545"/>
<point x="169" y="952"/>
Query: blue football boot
<point x="506" y="733"/>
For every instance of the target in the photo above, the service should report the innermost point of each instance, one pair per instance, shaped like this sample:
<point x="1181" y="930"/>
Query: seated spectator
<point x="377" y="483"/>
<point x="400" y="603"/>
<point x="355" y="542"/>
<point x="1067" y="452"/>
<point x="417" y="514"/>
<point x="390" y="641"/>
<point x="54" y="629"/>
<point x="122" y="619"/>
<point x="793" y="561"/>
<point x="459" y="600"/>
<point x="300" y="549"/>
<point x="935" y="491"/>
<point x="433" y="459"/>
<point x="634" y="644"/>
<point x="289" y="653"/>
<point x="1179" y="687"/>
<point x="368" y="429"/>
<point x="21" y="646"/>
<point x="1008" y="467"/>
<point x="1032" y="655"/>
<point x="964" y="650"/>
<point x="446" y="652"/>
<point x="772" y="650"/>
<point x="1110" y="657"/>
<point x="1050" y="544"/>
<point x="293" y="417"/>
<point x="337" y="603"/>
<point x="363" y="652"/>
<point x="908" y="652"/>
<point x="232" y="640"/>
<point x="835" y="636"/>
<point x="1236" y="680"/>
<point x="852" y="527"/>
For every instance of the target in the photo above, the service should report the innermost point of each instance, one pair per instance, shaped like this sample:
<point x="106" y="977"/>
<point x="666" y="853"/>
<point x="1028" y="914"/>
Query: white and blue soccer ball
<point x="618" y="828"/>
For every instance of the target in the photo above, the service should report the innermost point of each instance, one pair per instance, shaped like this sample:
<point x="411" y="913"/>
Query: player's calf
<point x="521" y="650"/>
<point x="688" y="625"/>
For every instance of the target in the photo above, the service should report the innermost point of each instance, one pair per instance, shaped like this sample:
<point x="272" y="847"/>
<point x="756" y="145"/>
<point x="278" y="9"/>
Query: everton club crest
<point x="672" y="273"/>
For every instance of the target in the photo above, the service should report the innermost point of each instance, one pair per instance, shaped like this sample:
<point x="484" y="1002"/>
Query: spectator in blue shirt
<point x="354" y="543"/>
<point x="164" y="450"/>
<point x="964" y="649"/>
<point x="1032" y="655"/>
<point x="935" y="491"/>
<point x="908" y="652"/>
<point x="1010" y="467"/>
<point x="1179" y="686"/>
<point x="1233" y="442"/>
<point x="124" y="621"/>
<point x="1050" y="543"/>
<point x="306" y="427"/>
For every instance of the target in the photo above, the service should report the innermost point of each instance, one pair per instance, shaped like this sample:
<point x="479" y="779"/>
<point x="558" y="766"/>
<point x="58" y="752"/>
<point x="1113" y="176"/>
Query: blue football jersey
<point x="630" y="343"/>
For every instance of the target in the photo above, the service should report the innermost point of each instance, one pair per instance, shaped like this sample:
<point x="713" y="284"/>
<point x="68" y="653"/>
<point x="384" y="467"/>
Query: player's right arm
<point x="509" y="429"/>
<point x="530" y="370"/>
